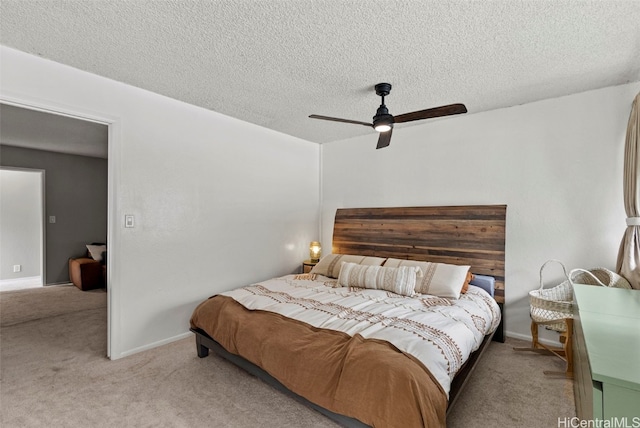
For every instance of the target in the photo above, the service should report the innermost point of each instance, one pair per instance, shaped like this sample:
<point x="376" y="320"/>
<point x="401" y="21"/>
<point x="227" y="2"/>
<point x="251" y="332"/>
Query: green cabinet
<point x="606" y="344"/>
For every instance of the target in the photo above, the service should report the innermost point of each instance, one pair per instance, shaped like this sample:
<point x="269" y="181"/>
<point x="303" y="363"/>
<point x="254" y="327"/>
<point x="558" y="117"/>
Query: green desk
<point x="606" y="344"/>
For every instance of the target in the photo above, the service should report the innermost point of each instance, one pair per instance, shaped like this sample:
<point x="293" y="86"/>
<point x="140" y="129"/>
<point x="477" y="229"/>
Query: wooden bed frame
<point x="465" y="235"/>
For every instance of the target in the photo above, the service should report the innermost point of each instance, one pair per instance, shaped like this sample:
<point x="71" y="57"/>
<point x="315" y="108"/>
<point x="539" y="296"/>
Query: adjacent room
<point x="392" y="202"/>
<point x="65" y="162"/>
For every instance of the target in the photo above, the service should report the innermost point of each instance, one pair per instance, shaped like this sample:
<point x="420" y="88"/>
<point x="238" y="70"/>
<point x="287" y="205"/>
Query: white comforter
<point x="439" y="332"/>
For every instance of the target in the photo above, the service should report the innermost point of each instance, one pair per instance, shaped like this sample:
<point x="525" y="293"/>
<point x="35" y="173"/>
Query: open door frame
<point x="113" y="124"/>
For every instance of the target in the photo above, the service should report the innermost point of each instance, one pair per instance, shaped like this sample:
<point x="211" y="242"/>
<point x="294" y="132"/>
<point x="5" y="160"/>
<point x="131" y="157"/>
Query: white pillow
<point x="96" y="251"/>
<point x="438" y="279"/>
<point x="400" y="280"/>
<point x="330" y="265"/>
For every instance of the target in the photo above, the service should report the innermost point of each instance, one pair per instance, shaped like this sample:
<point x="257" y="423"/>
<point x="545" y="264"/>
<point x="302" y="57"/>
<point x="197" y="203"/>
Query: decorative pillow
<point x="330" y="265"/>
<point x="400" y="280"/>
<point x="438" y="279"/>
<point x="96" y="251"/>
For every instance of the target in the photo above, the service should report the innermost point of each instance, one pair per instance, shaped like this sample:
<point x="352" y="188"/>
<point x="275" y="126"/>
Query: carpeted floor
<point x="54" y="373"/>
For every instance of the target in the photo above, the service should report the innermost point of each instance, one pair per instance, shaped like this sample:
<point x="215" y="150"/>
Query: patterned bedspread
<point x="440" y="333"/>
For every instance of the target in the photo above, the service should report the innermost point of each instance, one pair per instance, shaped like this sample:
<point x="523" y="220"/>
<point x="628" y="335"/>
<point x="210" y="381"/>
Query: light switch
<point x="128" y="220"/>
<point x="52" y="219"/>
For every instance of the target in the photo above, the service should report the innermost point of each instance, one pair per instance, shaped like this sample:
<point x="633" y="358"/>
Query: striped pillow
<point x="330" y="265"/>
<point x="438" y="279"/>
<point x="401" y="280"/>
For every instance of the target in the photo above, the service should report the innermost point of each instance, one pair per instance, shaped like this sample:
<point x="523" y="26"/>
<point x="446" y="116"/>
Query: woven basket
<point x="552" y="306"/>
<point x="599" y="276"/>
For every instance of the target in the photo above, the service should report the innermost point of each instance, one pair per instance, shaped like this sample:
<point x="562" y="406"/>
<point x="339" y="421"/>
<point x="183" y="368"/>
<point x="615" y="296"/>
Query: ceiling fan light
<point x="383" y="127"/>
<point x="382" y="121"/>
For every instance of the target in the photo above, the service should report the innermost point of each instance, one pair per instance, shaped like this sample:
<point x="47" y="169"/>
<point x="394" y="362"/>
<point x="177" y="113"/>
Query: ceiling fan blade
<point x="429" y="113"/>
<point x="384" y="139"/>
<point x="335" y="119"/>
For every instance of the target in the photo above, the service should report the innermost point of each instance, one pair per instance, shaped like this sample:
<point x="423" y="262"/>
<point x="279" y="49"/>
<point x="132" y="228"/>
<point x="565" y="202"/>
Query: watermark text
<point x="621" y="422"/>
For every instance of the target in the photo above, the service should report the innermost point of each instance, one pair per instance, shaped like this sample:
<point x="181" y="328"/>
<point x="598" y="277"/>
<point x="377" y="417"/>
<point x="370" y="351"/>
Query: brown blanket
<point x="369" y="380"/>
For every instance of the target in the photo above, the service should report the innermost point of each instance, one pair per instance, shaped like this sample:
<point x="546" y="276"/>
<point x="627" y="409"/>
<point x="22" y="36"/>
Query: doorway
<point x="22" y="228"/>
<point x="43" y="134"/>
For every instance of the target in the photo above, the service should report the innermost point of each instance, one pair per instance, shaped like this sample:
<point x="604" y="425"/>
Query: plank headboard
<point x="465" y="235"/>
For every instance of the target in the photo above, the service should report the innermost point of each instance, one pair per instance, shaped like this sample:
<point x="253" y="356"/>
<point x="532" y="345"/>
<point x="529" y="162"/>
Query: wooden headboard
<point x="465" y="235"/>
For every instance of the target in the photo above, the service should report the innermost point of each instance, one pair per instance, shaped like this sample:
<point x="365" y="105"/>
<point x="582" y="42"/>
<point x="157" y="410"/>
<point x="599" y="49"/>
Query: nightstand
<point x="307" y="265"/>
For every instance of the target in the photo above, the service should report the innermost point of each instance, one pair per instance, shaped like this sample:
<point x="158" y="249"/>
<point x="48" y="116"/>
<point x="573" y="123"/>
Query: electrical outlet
<point x="52" y="219"/>
<point x="17" y="268"/>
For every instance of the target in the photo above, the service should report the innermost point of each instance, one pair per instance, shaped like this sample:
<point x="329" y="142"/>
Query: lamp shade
<point x="383" y="127"/>
<point x="315" y="251"/>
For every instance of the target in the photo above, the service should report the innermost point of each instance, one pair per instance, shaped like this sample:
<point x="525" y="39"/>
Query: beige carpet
<point x="19" y="306"/>
<point x="54" y="373"/>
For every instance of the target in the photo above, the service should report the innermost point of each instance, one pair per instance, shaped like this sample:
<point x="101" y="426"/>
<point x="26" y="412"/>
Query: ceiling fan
<point x="383" y="121"/>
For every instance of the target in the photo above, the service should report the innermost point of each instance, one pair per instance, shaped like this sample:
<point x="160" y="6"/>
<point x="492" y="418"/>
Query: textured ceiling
<point x="275" y="62"/>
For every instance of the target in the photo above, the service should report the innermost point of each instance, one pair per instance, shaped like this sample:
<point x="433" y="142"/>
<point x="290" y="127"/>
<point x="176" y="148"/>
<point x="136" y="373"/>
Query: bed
<point x="351" y="352"/>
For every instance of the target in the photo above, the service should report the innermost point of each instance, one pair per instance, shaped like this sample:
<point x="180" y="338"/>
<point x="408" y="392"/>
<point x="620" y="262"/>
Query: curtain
<point x="628" y="264"/>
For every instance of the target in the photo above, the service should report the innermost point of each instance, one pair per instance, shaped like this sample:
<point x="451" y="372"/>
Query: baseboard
<point x="20" y="280"/>
<point x="24" y="283"/>
<point x="528" y="338"/>
<point x="153" y="345"/>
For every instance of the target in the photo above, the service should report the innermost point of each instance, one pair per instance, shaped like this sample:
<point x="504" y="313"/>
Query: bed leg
<point x="203" y="351"/>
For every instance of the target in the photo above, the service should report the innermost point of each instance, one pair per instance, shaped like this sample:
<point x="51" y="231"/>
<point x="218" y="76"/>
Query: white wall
<point x="217" y="202"/>
<point x="20" y="223"/>
<point x="557" y="164"/>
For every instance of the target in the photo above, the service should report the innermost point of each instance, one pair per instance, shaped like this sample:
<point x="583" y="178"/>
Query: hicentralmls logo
<point x="575" y="422"/>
